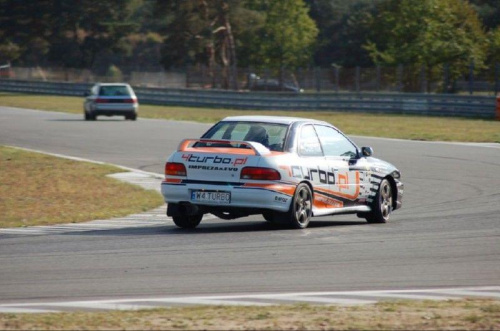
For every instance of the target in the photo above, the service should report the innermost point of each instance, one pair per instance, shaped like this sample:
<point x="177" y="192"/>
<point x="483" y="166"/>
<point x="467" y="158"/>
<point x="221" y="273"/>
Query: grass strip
<point x="37" y="189"/>
<point x="363" y="124"/>
<point x="465" y="314"/>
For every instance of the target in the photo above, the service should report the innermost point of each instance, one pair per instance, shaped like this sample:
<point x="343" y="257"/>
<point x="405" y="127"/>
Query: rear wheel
<point x="300" y="212"/>
<point x="187" y="222"/>
<point x="89" y="116"/>
<point x="131" y="117"/>
<point x="382" y="204"/>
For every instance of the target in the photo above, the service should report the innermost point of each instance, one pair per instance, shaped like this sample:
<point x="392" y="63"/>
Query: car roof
<point x="272" y="119"/>
<point x="112" y="84"/>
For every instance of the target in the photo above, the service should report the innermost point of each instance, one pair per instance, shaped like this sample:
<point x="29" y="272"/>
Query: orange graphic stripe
<point x="285" y="189"/>
<point x="341" y="194"/>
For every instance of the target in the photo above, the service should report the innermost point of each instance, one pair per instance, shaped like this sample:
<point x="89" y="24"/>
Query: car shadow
<point x="82" y="120"/>
<point x="211" y="228"/>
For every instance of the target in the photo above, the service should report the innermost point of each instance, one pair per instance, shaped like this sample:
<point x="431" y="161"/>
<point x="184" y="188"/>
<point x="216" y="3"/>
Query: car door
<point x="313" y="164"/>
<point x="340" y="153"/>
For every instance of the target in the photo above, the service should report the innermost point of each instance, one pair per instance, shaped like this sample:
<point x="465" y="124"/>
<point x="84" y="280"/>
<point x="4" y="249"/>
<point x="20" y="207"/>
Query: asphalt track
<point x="447" y="233"/>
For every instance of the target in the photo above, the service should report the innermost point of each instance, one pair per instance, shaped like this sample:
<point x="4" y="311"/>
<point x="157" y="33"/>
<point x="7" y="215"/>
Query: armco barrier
<point x="397" y="103"/>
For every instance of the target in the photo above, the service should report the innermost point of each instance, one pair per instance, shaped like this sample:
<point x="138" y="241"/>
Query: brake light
<point x="259" y="173"/>
<point x="133" y="100"/>
<point x="100" y="100"/>
<point x="175" y="169"/>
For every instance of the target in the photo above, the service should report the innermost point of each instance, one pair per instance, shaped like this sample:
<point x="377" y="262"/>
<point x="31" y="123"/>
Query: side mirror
<point x="86" y="93"/>
<point x="366" y="151"/>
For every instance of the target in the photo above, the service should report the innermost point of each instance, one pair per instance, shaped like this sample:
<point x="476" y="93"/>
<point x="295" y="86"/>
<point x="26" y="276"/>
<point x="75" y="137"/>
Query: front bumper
<point x="399" y="199"/>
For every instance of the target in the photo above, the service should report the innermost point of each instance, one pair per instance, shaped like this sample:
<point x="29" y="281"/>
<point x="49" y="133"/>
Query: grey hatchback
<point x="110" y="99"/>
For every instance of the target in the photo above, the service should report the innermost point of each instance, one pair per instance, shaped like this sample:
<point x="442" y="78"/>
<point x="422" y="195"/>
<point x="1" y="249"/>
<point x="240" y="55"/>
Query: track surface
<point x="446" y="235"/>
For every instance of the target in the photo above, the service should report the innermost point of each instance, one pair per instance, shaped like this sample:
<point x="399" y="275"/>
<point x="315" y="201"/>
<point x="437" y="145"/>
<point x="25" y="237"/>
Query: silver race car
<point x="287" y="169"/>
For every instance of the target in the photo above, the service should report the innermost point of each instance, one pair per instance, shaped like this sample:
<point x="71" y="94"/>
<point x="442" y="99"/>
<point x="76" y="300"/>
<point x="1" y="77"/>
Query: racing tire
<point x="89" y="116"/>
<point x="131" y="117"/>
<point x="187" y="221"/>
<point x="300" y="212"/>
<point x="382" y="204"/>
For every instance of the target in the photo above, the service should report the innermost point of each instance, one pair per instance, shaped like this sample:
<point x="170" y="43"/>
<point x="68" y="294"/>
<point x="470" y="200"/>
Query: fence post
<point x="318" y="82"/>
<point x="377" y="84"/>
<point x="337" y="79"/>
<point x="497" y="78"/>
<point x="357" y="74"/>
<point x="446" y="78"/>
<point x="400" y="78"/>
<point x="471" y="77"/>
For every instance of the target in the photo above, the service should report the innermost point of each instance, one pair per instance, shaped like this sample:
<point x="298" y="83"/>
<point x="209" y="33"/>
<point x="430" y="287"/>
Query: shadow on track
<point x="209" y="228"/>
<point x="82" y="120"/>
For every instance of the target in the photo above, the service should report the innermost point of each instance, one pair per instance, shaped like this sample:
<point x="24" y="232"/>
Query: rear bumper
<point x="115" y="109"/>
<point x="241" y="197"/>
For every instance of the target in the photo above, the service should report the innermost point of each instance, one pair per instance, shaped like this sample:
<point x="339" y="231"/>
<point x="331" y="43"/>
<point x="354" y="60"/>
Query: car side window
<point x="309" y="144"/>
<point x="334" y="143"/>
<point x="94" y="90"/>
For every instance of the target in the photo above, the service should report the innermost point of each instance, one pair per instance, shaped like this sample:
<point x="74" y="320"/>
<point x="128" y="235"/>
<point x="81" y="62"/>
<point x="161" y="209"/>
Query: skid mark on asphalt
<point x="344" y="298"/>
<point x="152" y="218"/>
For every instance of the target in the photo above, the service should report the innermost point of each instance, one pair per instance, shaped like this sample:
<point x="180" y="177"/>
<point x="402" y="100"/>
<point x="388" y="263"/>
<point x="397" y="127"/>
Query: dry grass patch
<point x="37" y="189"/>
<point x="469" y="314"/>
<point x="376" y="125"/>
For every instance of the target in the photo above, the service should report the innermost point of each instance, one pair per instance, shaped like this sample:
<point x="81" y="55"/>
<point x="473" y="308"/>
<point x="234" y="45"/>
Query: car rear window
<point x="114" y="91"/>
<point x="270" y="135"/>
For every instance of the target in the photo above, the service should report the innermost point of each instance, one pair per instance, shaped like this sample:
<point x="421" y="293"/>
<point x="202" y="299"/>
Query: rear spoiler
<point x="257" y="148"/>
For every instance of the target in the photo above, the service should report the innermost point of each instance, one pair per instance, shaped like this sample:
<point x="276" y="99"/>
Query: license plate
<point x="211" y="196"/>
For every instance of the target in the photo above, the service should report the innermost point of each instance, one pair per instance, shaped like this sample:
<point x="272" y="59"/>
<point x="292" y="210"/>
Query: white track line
<point x="249" y="299"/>
<point x="318" y="300"/>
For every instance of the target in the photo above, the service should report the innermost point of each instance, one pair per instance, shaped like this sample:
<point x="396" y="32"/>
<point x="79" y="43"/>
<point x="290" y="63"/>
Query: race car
<point x="287" y="169"/>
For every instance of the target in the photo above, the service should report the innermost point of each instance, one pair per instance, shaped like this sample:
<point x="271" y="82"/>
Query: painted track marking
<point x="336" y="298"/>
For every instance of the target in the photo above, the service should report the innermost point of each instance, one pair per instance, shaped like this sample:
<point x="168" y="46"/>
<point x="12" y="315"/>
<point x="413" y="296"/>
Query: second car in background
<point x="110" y="99"/>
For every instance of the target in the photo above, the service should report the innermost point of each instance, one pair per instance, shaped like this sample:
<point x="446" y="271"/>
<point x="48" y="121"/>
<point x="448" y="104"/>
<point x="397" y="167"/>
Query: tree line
<point x="166" y="34"/>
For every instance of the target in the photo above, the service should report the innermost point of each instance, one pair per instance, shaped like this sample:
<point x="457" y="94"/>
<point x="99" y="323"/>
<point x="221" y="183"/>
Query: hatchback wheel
<point x="187" y="222"/>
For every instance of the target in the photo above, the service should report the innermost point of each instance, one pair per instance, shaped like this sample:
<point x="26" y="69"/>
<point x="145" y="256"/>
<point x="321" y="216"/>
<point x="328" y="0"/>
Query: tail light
<point x="101" y="100"/>
<point x="259" y="173"/>
<point x="175" y="169"/>
<point x="133" y="100"/>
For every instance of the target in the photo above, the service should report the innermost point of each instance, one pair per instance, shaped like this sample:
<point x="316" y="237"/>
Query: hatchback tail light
<point x="133" y="100"/>
<point x="101" y="100"/>
<point x="175" y="169"/>
<point x="259" y="173"/>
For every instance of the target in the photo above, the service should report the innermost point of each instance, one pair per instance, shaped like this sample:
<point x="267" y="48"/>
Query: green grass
<point x="37" y="189"/>
<point x="376" y="125"/>
<point x="467" y="314"/>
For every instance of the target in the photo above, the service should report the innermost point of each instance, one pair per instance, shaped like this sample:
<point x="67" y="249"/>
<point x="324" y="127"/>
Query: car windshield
<point x="271" y="135"/>
<point x="114" y="91"/>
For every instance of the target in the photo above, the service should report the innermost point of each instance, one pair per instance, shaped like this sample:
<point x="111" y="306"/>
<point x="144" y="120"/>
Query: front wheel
<point x="187" y="222"/>
<point x="300" y="212"/>
<point x="382" y="205"/>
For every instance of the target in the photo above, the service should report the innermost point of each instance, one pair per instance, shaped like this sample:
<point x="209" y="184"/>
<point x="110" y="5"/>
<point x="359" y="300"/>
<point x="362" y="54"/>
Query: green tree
<point x="494" y="46"/>
<point x="427" y="33"/>
<point x="341" y="31"/>
<point x="288" y="36"/>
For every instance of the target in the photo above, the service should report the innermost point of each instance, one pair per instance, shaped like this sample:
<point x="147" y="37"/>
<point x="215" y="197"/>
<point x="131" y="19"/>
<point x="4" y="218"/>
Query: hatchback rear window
<point x="114" y="91"/>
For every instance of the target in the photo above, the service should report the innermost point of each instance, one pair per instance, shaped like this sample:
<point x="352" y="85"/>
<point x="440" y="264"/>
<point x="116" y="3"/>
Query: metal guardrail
<point x="395" y="103"/>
